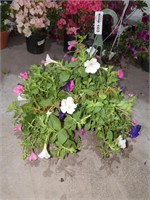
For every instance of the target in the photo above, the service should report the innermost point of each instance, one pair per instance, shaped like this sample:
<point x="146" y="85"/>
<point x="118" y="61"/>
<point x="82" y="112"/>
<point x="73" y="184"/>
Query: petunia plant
<point x="61" y="101"/>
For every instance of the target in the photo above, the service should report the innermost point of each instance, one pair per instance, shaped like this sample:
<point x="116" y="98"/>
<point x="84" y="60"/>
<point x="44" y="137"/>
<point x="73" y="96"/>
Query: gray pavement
<point x="85" y="176"/>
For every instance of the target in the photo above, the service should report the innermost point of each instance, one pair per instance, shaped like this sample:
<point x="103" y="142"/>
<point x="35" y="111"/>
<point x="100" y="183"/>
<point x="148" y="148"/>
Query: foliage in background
<point x="60" y="97"/>
<point x="6" y="20"/>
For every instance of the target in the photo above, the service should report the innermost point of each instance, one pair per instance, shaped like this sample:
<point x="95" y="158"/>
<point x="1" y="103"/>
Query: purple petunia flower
<point x="145" y="19"/>
<point x="146" y="37"/>
<point x="68" y="86"/>
<point x="142" y="49"/>
<point x="122" y="89"/>
<point x="83" y="132"/>
<point x="134" y="51"/>
<point x="134" y="132"/>
<point x="61" y="115"/>
<point x="143" y="32"/>
<point x="138" y="35"/>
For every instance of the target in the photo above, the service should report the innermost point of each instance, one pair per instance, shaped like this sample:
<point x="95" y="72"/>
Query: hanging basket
<point x="4" y="35"/>
<point x="36" y="42"/>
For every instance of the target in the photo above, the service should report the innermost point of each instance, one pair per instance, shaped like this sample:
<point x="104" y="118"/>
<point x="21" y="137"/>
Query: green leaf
<point x="45" y="102"/>
<point x="62" y="136"/>
<point x="12" y="106"/>
<point x="54" y="122"/>
<point x="64" y="76"/>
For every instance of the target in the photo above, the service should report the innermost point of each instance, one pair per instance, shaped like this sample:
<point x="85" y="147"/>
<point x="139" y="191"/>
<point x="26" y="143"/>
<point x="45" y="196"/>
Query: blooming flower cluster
<point x="77" y="15"/>
<point x="137" y="50"/>
<point x="31" y="15"/>
<point x="60" y="97"/>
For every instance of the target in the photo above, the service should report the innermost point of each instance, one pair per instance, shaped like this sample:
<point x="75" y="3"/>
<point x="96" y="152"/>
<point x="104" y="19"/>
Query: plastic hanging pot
<point x="36" y="42"/>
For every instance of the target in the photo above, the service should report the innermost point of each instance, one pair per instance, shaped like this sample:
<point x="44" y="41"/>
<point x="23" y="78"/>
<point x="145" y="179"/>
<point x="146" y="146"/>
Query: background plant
<point x="135" y="40"/>
<point x="6" y="20"/>
<point x="79" y="14"/>
<point x="31" y="15"/>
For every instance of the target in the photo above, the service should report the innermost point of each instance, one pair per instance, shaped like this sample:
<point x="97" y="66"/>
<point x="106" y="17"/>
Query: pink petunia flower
<point x="83" y="132"/>
<point x="33" y="156"/>
<point x="73" y="59"/>
<point x="71" y="44"/>
<point x="120" y="74"/>
<point x="134" y="121"/>
<point x="18" y="90"/>
<point x="24" y="75"/>
<point x="17" y="127"/>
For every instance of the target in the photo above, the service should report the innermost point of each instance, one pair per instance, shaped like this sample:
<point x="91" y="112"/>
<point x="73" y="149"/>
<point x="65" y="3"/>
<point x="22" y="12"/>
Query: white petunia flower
<point x="49" y="60"/>
<point x="67" y="105"/>
<point x="91" y="51"/>
<point x="44" y="153"/>
<point x="91" y="66"/>
<point x="20" y="98"/>
<point x="121" y="142"/>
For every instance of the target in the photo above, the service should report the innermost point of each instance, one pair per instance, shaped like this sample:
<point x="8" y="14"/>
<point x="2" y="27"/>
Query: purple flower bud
<point x="68" y="86"/>
<point x="83" y="132"/>
<point x="145" y="19"/>
<point x="61" y="115"/>
<point x="134" y="132"/>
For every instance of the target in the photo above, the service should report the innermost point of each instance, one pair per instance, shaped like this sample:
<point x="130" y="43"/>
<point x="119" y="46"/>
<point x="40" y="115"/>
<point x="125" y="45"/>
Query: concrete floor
<point x="85" y="176"/>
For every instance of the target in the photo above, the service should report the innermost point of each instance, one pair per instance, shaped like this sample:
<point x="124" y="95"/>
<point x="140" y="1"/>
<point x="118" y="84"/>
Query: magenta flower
<point x="142" y="49"/>
<point x="18" y="90"/>
<point x="71" y="44"/>
<point x="17" y="127"/>
<point x="146" y="37"/>
<point x="120" y="74"/>
<point x="134" y="121"/>
<point x="69" y="86"/>
<point x="73" y="59"/>
<point x="32" y="157"/>
<point x="145" y="19"/>
<point x="83" y="132"/>
<point x="24" y="75"/>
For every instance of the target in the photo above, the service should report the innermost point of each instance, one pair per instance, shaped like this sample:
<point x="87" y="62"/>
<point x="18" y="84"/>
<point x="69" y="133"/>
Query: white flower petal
<point x="68" y="105"/>
<point x="121" y="142"/>
<point x="20" y="98"/>
<point x="49" y="60"/>
<point x="91" y="51"/>
<point x="91" y="66"/>
<point x="44" y="153"/>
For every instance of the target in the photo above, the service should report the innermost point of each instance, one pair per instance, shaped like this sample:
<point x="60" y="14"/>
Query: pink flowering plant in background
<point x="65" y="101"/>
<point x="77" y="15"/>
<point x="31" y="15"/>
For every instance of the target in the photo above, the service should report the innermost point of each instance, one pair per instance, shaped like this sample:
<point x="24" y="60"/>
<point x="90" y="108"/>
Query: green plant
<point x="6" y="21"/>
<point x="61" y="97"/>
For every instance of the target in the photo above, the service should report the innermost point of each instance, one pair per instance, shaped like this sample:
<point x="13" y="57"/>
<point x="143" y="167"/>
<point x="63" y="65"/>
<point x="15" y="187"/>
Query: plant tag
<point x="40" y="42"/>
<point x="98" y="22"/>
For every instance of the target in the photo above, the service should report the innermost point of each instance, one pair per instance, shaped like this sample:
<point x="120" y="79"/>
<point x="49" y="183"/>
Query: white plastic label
<point x="40" y="42"/>
<point x="98" y="22"/>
